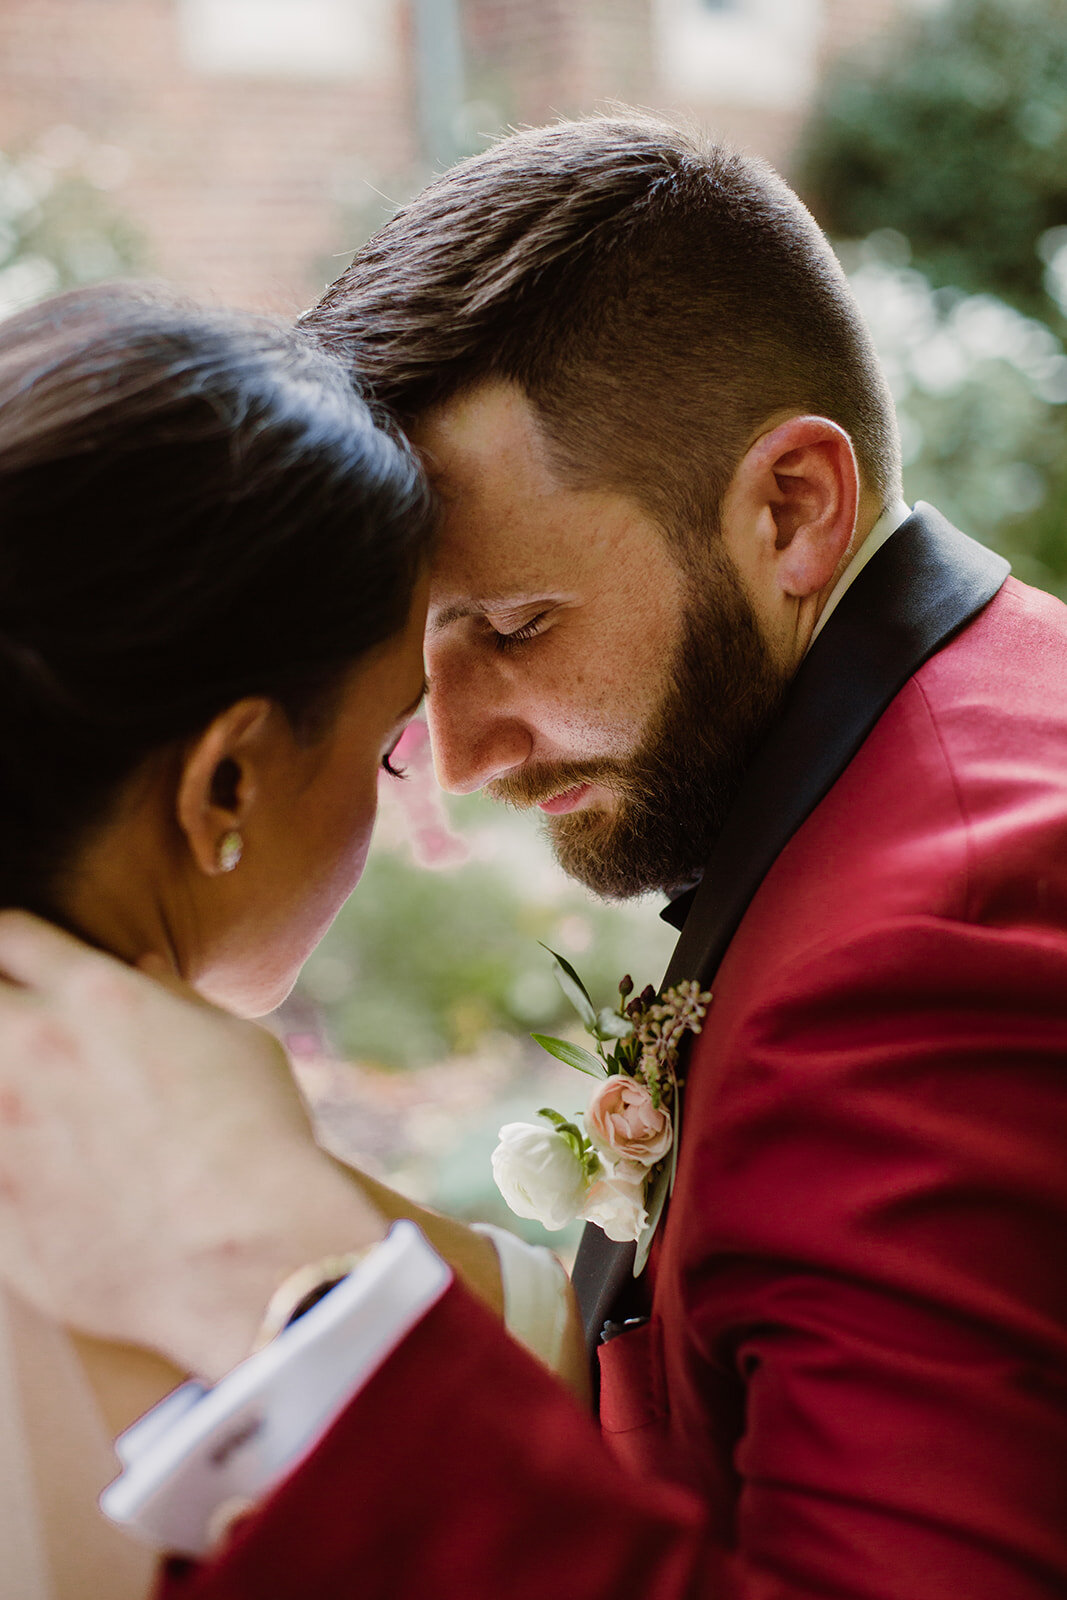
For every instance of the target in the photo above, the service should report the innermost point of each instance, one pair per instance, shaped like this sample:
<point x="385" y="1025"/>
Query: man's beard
<point x="675" y="791"/>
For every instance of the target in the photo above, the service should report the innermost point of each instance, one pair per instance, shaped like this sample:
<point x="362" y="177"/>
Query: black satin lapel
<point x="925" y="583"/>
<point x="922" y="586"/>
<point x="602" y="1270"/>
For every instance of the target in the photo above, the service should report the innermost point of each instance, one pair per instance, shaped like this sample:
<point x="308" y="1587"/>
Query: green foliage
<point x="58" y="225"/>
<point x="424" y="964"/>
<point x="945" y="153"/>
<point x="956" y="136"/>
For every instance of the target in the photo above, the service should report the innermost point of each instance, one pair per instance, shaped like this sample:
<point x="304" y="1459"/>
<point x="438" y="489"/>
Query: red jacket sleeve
<point x="463" y="1471"/>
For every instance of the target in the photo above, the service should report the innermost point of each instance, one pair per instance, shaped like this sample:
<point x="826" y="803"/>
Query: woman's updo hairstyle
<point x="195" y="506"/>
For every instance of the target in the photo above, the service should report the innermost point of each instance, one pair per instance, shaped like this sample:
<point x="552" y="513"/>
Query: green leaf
<point x="572" y="1055"/>
<point x="574" y="989"/>
<point x="655" y="1200"/>
<point x="662" y="1185"/>
<point x="573" y="1135"/>
<point x="555" y="1117"/>
<point x="609" y="1025"/>
<point x="676" y="1124"/>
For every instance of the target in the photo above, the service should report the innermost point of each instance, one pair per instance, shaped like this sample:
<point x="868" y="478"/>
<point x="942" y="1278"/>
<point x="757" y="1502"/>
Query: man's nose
<point x="475" y="737"/>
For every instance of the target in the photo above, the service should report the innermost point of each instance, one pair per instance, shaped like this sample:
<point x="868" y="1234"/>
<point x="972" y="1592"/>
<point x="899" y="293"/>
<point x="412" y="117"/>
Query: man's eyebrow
<point x="454" y="613"/>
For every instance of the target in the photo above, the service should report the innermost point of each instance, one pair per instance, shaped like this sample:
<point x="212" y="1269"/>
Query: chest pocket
<point x="633" y="1387"/>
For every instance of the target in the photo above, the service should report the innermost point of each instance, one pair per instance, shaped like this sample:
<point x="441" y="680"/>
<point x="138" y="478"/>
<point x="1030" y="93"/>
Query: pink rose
<point x="625" y="1126"/>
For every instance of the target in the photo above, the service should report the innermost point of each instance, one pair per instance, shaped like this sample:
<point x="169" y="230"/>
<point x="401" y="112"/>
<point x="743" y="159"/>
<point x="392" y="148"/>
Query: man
<point x="678" y="606"/>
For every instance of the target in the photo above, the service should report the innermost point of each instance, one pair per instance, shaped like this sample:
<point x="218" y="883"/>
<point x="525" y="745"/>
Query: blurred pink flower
<point x="430" y="835"/>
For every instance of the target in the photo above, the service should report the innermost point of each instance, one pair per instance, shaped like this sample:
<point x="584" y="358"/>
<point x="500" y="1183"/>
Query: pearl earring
<point x="231" y="847"/>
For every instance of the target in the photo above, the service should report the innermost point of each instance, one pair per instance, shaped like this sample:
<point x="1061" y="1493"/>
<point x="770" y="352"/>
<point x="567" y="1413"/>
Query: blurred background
<point x="245" y="148"/>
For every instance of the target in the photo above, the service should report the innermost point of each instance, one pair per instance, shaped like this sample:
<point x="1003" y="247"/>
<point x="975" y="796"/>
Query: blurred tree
<point x="424" y="964"/>
<point x="941" y="163"/>
<point x="956" y="136"/>
<point x="58" y="225"/>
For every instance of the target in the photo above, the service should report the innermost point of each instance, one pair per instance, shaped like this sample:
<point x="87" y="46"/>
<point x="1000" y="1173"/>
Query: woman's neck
<point x="120" y="895"/>
<point x="123" y="893"/>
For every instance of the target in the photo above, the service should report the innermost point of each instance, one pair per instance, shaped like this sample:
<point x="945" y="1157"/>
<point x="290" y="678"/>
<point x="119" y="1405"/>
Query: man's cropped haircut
<point x="657" y="297"/>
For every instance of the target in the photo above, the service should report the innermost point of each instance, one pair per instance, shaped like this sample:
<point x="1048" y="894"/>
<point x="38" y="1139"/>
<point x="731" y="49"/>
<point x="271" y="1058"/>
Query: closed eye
<point x="387" y="762"/>
<point x="529" y="630"/>
<point x="404" y="717"/>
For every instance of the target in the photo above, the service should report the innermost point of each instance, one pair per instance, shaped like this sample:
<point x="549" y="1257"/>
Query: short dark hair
<point x="656" y="296"/>
<point x="195" y="506"/>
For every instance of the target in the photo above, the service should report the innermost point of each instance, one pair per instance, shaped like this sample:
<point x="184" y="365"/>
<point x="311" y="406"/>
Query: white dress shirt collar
<point x="887" y="524"/>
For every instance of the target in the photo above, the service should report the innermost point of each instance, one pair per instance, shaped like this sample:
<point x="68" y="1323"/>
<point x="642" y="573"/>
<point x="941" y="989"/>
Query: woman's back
<point x="56" y="1456"/>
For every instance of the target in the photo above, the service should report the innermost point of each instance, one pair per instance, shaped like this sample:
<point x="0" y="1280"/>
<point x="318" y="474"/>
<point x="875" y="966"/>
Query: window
<point x="288" y="38"/>
<point x="739" y="52"/>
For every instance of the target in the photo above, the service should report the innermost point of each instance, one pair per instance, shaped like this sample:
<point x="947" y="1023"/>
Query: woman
<point x="211" y="606"/>
<point x="210" y="632"/>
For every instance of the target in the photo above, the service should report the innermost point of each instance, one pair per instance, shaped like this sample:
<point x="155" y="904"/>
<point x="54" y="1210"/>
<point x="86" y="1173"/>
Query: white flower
<point x="618" y="1206"/>
<point x="539" y="1174"/>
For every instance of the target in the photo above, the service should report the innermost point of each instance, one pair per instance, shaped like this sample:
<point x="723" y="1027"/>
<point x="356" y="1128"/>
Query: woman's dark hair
<point x="195" y="506"/>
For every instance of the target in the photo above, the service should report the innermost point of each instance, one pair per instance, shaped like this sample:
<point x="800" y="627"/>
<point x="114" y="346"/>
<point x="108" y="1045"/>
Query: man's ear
<point x="790" y="512"/>
<point x="219" y="780"/>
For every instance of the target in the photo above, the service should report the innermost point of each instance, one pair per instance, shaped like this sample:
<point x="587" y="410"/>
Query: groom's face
<point x="574" y="664"/>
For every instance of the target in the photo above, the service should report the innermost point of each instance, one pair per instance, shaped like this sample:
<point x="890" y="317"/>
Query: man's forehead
<point x="489" y="561"/>
<point x="477" y="428"/>
<point x="511" y="533"/>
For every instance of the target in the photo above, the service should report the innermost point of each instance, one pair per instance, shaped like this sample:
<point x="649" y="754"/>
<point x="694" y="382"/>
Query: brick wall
<point x="254" y="190"/>
<point x="240" y="186"/>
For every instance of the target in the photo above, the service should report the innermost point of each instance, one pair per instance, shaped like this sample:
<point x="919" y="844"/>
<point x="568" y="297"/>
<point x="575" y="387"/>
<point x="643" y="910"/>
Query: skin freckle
<point x="51" y="1044"/>
<point x="12" y="1109"/>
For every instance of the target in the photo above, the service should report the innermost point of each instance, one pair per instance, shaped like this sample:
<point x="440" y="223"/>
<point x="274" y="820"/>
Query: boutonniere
<point x="614" y="1163"/>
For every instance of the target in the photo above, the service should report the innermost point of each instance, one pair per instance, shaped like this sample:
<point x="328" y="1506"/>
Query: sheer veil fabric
<point x="55" y="1457"/>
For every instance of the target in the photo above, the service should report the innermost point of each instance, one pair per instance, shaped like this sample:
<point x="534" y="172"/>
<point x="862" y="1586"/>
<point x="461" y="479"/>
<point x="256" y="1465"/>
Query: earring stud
<point x="231" y="848"/>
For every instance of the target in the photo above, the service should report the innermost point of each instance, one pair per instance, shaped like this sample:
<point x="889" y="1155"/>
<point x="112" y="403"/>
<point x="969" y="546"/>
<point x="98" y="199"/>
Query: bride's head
<point x="211" y="609"/>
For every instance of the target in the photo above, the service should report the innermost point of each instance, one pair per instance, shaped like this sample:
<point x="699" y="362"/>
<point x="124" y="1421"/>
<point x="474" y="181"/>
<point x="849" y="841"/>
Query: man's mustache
<point x="532" y="785"/>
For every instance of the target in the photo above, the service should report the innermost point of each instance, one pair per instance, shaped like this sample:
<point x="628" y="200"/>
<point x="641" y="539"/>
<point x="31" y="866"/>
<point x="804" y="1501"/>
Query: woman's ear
<point x="791" y="508"/>
<point x="219" y="783"/>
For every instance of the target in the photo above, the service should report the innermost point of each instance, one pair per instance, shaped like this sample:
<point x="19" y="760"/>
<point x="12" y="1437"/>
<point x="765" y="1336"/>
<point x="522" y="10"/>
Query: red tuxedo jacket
<point x="853" y="1382"/>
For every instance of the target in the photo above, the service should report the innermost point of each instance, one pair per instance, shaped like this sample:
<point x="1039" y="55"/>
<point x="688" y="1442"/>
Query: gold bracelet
<point x="304" y="1288"/>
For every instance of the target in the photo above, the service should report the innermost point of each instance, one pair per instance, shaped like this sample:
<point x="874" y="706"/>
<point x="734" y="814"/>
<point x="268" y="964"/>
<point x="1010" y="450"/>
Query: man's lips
<point x="569" y="800"/>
